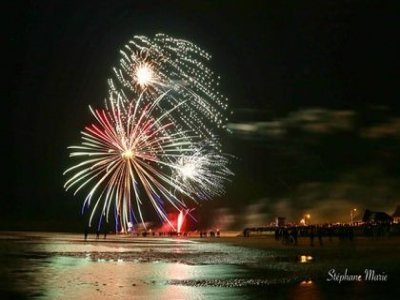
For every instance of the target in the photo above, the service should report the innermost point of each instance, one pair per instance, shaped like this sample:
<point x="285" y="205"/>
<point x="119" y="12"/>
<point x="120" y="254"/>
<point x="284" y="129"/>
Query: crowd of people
<point x="202" y="233"/>
<point x="291" y="234"/>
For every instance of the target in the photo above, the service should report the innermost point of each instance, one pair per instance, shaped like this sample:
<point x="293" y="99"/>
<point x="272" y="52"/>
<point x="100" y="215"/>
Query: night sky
<point x="313" y="88"/>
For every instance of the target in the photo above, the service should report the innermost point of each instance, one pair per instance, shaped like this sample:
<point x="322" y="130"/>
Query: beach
<point x="64" y="266"/>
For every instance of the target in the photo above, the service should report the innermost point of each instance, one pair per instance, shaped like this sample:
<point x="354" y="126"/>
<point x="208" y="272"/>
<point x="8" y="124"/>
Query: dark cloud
<point x="319" y="161"/>
<point x="313" y="120"/>
<point x="388" y="129"/>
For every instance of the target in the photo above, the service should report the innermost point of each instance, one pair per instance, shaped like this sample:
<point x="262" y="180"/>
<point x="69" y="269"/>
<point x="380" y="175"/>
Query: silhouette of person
<point x="312" y="234"/>
<point x="319" y="233"/>
<point x="294" y="235"/>
<point x="86" y="232"/>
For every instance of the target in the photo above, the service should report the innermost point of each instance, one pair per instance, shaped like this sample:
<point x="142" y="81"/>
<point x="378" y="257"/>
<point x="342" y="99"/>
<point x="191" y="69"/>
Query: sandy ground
<point x="64" y="266"/>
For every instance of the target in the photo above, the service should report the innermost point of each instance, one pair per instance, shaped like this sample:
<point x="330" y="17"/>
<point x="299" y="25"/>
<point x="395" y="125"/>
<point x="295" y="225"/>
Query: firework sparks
<point x="145" y="149"/>
<point x="180" y="222"/>
<point x="203" y="172"/>
<point x="154" y="65"/>
<point x="123" y="155"/>
<point x="143" y="75"/>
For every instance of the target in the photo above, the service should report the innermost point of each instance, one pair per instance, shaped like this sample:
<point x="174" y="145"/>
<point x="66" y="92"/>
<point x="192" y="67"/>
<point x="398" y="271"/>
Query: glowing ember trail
<point x="180" y="221"/>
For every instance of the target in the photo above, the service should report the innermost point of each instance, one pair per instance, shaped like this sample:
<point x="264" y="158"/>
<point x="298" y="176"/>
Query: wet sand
<point x="64" y="266"/>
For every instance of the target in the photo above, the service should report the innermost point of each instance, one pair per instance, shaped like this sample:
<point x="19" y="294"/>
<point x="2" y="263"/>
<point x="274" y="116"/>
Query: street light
<point x="306" y="216"/>
<point x="352" y="213"/>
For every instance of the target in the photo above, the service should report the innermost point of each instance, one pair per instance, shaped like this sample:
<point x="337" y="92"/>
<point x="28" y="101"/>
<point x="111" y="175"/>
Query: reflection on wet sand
<point x="59" y="266"/>
<point x="305" y="290"/>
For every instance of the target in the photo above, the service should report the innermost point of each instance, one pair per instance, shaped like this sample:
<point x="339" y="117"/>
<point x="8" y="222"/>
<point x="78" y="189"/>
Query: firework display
<point x="163" y="63"/>
<point x="203" y="172"/>
<point x="151" y="143"/>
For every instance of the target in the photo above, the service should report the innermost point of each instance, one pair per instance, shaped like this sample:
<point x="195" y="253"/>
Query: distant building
<point x="396" y="215"/>
<point x="280" y="221"/>
<point x="376" y="217"/>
